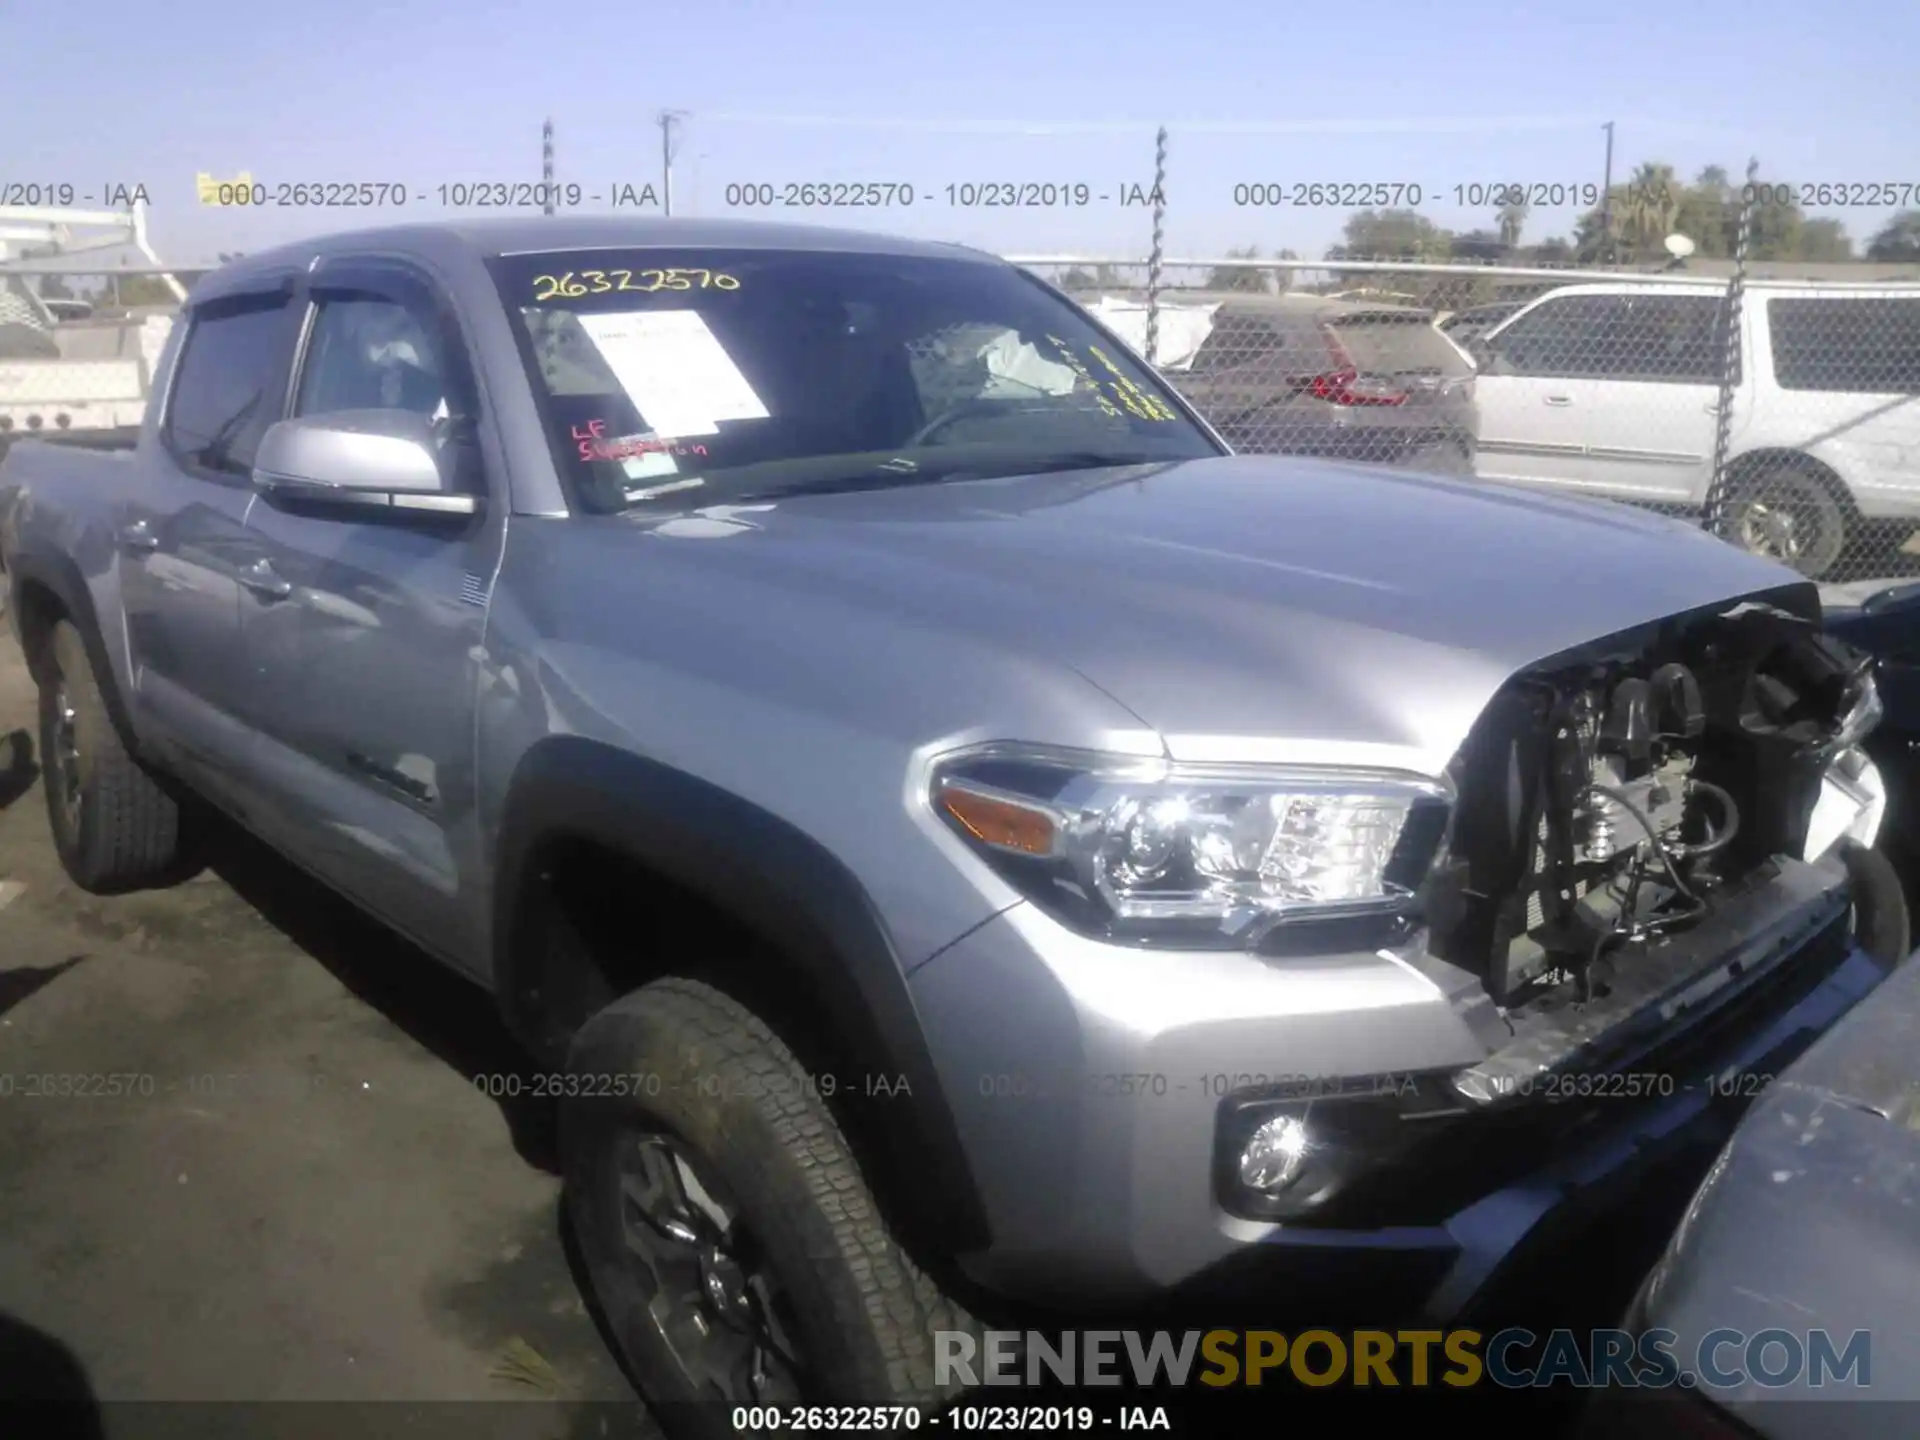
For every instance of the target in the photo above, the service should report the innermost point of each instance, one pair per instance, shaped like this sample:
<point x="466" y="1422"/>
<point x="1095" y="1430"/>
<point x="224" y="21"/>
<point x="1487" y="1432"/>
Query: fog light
<point x="1274" y="1155"/>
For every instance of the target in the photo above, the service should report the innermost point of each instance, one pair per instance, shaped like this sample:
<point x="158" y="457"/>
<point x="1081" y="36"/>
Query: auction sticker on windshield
<point x="674" y="369"/>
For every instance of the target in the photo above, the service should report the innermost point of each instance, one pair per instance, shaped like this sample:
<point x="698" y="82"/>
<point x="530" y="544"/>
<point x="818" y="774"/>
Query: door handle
<point x="1559" y="399"/>
<point x="259" y="578"/>
<point x="139" y="538"/>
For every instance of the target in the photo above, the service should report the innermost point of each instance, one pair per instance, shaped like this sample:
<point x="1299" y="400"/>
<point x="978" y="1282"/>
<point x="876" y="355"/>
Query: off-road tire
<point x="730" y="1091"/>
<point x="125" y="832"/>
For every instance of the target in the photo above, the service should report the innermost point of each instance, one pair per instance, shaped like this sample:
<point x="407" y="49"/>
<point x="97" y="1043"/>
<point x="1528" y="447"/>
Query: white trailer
<point x="60" y="374"/>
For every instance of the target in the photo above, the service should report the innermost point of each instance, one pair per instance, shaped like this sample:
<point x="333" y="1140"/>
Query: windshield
<point x="695" y="378"/>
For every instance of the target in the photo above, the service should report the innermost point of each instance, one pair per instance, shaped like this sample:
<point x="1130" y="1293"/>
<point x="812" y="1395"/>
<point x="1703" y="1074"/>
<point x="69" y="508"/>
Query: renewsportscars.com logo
<point x="1515" y="1359"/>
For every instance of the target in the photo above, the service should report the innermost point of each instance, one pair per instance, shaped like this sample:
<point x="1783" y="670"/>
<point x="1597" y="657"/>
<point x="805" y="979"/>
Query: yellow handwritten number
<point x="596" y="282"/>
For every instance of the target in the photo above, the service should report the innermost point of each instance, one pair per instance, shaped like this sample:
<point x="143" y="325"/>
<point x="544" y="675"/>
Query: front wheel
<point x="737" y="1253"/>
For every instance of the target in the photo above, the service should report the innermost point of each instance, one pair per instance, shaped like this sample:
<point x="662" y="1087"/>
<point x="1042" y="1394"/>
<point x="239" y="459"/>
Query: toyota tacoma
<point x="961" y="836"/>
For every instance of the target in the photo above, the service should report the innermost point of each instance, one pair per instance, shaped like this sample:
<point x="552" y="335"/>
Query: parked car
<point x="1613" y="389"/>
<point x="1805" y="1224"/>
<point x="1308" y="375"/>
<point x="956" y="835"/>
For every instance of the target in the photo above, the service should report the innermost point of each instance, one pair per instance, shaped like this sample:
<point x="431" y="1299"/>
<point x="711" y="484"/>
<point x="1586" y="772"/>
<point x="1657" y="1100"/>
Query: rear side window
<point x="221" y="406"/>
<point x="1869" y="345"/>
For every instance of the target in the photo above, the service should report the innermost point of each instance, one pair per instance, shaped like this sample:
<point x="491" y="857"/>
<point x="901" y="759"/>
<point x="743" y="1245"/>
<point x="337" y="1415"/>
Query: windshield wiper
<point x="214" y="454"/>
<point x="896" y="474"/>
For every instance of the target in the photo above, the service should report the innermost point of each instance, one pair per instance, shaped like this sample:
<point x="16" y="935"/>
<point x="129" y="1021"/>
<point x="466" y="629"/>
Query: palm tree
<point x="1645" y="213"/>
<point x="1513" y="220"/>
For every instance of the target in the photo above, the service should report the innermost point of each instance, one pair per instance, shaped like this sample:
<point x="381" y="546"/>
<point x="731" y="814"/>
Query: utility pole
<point x="546" y="166"/>
<point x="1606" y="200"/>
<point x="668" y="118"/>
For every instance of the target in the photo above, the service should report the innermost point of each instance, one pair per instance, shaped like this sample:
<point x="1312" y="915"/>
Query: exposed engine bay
<point x="1605" y="796"/>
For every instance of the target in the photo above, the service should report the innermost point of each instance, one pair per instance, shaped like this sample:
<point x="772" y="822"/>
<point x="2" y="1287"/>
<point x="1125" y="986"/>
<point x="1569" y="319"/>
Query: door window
<point x="1671" y="339"/>
<point x="219" y="407"/>
<point x="371" y="353"/>
<point x="1557" y="338"/>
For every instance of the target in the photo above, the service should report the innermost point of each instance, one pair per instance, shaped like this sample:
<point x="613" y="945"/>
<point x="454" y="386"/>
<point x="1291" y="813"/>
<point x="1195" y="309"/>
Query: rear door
<point x="185" y="552"/>
<point x="1846" y="369"/>
<point x="1654" y="410"/>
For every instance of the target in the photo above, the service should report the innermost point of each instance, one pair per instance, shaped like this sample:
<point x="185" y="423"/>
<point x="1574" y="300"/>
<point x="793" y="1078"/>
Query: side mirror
<point x="361" y="461"/>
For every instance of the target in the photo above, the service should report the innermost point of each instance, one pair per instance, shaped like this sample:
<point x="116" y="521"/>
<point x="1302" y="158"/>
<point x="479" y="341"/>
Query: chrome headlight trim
<point x="1155" y="849"/>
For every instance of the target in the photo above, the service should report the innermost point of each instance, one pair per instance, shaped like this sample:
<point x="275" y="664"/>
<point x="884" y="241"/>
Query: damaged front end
<point x="1607" y="796"/>
<point x="1628" y="814"/>
<point x="1642" y="875"/>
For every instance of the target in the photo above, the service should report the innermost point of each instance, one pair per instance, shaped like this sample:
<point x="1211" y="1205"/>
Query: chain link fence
<point x="1769" y="401"/>
<point x="1783" y="412"/>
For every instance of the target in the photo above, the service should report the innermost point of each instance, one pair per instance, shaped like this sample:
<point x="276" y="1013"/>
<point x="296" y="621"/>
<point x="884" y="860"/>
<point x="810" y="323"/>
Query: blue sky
<point x="421" y="94"/>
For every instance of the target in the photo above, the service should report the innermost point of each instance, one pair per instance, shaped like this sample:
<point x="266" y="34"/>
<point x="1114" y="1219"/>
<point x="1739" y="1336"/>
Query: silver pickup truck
<point x="959" y="835"/>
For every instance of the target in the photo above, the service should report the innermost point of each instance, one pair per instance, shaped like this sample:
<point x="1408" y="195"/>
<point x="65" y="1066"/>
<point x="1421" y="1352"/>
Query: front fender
<point x="776" y="881"/>
<point x="44" y="587"/>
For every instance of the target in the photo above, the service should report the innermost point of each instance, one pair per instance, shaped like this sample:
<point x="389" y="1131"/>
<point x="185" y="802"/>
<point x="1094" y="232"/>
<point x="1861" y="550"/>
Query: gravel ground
<point x="243" y="1156"/>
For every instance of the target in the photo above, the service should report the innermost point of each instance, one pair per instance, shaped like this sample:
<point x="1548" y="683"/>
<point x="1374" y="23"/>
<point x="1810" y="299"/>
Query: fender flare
<point x="60" y="576"/>
<point x="779" y="883"/>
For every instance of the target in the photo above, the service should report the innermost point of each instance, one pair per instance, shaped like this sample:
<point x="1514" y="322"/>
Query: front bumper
<point x="1090" y="1083"/>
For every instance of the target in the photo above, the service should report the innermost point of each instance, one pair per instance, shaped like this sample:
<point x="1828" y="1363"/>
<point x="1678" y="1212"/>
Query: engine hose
<point x="1716" y="840"/>
<point x="1653" y="836"/>
<point x="1882" y="927"/>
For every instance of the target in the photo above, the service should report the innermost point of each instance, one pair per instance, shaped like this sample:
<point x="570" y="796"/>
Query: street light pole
<point x="667" y="119"/>
<point x="1606" y="199"/>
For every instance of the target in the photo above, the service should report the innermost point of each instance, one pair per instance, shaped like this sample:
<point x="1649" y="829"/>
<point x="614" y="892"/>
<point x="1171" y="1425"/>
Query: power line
<point x="1213" y="127"/>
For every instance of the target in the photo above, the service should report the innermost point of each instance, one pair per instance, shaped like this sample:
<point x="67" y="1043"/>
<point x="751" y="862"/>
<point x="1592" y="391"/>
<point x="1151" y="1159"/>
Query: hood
<point x="1248" y="607"/>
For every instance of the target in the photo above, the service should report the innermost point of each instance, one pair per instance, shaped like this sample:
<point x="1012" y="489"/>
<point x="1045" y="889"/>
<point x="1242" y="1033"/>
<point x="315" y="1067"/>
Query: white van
<point x="1613" y="389"/>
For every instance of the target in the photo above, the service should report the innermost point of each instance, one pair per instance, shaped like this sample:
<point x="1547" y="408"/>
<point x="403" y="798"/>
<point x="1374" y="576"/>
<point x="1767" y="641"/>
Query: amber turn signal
<point x="995" y="821"/>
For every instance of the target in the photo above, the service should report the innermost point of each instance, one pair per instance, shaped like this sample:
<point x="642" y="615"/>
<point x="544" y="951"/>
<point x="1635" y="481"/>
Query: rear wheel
<point x="1790" y="514"/>
<point x="737" y="1253"/>
<point x="114" y="827"/>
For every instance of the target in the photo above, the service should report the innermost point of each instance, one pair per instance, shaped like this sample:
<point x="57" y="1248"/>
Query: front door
<point x="1535" y="392"/>
<point x="365" y="652"/>
<point x="1614" y="393"/>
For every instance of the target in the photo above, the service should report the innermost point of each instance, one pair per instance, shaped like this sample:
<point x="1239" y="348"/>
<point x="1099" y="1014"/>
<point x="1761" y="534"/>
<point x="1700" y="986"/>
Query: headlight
<point x="1149" y="850"/>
